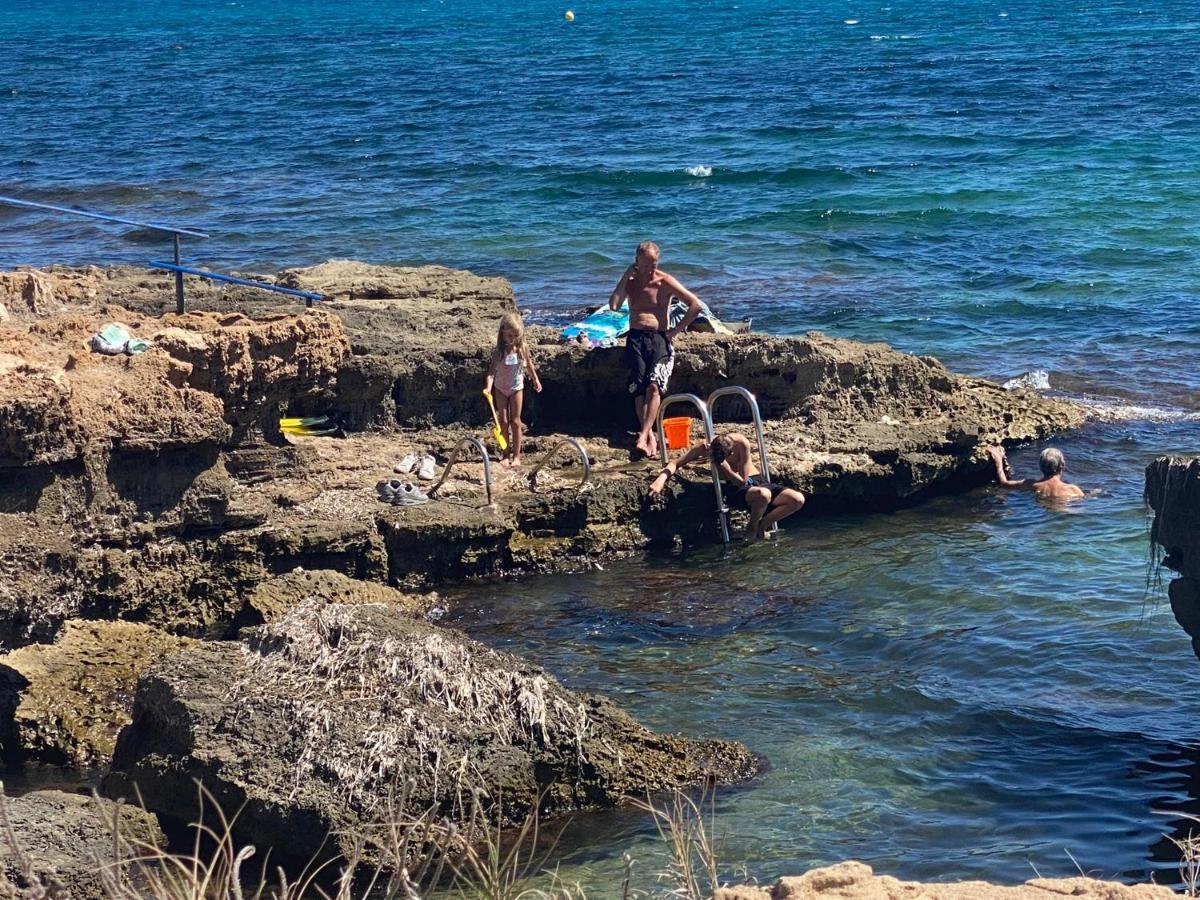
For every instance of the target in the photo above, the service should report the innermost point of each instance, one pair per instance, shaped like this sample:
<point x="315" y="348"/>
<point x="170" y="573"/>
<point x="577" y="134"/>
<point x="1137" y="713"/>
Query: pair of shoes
<point x="400" y="493"/>
<point x="425" y="465"/>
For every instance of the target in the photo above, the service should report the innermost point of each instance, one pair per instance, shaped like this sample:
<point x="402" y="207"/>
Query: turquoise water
<point x="972" y="179"/>
<point x="974" y="688"/>
<point x="956" y="690"/>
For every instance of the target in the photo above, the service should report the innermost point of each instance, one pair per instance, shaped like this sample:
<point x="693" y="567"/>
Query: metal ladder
<point x="487" y="466"/>
<point x="565" y="442"/>
<point x="752" y="402"/>
<point x="706" y="418"/>
<point x="705" y="409"/>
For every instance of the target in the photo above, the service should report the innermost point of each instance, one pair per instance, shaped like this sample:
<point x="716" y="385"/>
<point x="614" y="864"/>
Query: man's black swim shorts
<point x="650" y="358"/>
<point x="735" y="497"/>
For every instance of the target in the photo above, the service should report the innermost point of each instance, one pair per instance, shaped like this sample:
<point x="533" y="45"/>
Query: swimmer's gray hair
<point x="1052" y="462"/>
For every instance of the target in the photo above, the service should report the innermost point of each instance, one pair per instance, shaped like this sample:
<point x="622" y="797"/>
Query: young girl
<point x="506" y="380"/>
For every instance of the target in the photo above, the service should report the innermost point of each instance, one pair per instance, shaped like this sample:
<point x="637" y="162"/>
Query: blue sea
<point x="969" y="689"/>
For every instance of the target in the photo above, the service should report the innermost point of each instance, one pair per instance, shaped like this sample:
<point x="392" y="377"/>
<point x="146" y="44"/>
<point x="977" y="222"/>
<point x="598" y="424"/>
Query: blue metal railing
<point x="177" y="266"/>
<point x="308" y="296"/>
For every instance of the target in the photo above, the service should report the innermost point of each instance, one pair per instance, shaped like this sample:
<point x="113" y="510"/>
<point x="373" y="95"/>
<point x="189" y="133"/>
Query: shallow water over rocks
<point x="967" y="689"/>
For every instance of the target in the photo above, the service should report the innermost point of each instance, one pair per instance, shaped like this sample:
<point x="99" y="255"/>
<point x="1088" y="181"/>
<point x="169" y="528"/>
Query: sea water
<point x="971" y="688"/>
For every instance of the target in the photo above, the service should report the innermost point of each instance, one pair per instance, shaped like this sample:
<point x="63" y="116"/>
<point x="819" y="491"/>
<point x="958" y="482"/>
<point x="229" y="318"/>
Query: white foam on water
<point x="699" y="171"/>
<point x="851" y="21"/>
<point x="1038" y="379"/>
<point x="1105" y="410"/>
<point x="1116" y="411"/>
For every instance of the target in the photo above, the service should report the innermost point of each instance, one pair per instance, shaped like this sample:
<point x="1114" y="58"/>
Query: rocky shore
<point x="856" y="881"/>
<point x="1173" y="494"/>
<point x="188" y="592"/>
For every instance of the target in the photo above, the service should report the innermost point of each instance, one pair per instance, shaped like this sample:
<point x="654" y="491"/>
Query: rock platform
<point x="1173" y="493"/>
<point x="171" y="561"/>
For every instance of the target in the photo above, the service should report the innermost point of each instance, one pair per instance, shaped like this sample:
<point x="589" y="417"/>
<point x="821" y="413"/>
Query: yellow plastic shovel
<point x="496" y="433"/>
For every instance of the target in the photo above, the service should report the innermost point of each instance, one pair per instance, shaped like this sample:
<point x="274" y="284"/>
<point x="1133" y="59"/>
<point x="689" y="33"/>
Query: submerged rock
<point x="330" y="718"/>
<point x="855" y="881"/>
<point x="1173" y="493"/>
<point x="63" y="840"/>
<point x="66" y="702"/>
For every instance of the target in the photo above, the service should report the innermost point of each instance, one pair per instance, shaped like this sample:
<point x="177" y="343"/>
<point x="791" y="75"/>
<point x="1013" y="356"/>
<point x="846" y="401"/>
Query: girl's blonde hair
<point x="512" y="321"/>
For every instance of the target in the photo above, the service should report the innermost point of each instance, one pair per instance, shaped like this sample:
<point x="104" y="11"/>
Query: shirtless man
<point x="744" y="489"/>
<point x="649" y="353"/>
<point x="1051" y="485"/>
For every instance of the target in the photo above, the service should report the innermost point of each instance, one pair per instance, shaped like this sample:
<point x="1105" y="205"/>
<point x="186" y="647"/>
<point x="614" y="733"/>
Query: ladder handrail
<point x="736" y="390"/>
<point x="487" y="466"/>
<point x="587" y="466"/>
<point x="706" y="418"/>
<point x="752" y="402"/>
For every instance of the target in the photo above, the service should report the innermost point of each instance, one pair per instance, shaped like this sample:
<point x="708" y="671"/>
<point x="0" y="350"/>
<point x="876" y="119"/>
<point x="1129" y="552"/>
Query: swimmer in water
<point x="1049" y="487"/>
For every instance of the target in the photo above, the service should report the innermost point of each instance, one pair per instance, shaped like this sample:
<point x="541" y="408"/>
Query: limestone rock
<point x="358" y="280"/>
<point x="65" y="702"/>
<point x="855" y="881"/>
<point x="156" y="487"/>
<point x="316" y="720"/>
<point x="204" y="374"/>
<point x="1173" y="492"/>
<point x="272" y="600"/>
<point x="33" y="292"/>
<point x="63" y="840"/>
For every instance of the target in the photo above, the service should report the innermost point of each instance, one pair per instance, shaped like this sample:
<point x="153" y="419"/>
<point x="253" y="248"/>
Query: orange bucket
<point x="678" y="432"/>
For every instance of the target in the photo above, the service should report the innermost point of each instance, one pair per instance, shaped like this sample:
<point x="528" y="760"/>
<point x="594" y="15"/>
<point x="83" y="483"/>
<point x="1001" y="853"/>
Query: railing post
<point x="180" y="306"/>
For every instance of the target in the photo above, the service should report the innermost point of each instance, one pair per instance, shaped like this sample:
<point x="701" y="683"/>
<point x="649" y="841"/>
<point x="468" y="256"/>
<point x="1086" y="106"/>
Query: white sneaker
<point x="406" y="465"/>
<point x="428" y="468"/>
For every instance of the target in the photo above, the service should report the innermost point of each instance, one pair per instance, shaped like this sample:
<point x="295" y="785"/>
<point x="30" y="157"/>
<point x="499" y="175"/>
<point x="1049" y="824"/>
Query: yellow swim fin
<point x="305" y="425"/>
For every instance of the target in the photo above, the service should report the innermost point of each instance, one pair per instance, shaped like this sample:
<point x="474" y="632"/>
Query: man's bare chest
<point x="646" y="295"/>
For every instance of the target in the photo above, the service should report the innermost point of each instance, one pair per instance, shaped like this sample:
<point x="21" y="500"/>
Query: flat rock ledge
<point x="856" y="881"/>
<point x="158" y="488"/>
<point x="66" y="702"/>
<point x="58" y="843"/>
<point x="1173" y="493"/>
<point x="334" y="718"/>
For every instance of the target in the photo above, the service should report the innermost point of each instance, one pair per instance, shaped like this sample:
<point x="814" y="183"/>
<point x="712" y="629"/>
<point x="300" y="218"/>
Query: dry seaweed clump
<point x="414" y="696"/>
<point x="319" y="721"/>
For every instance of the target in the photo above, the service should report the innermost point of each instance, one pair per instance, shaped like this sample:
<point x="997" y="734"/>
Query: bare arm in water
<point x="998" y="460"/>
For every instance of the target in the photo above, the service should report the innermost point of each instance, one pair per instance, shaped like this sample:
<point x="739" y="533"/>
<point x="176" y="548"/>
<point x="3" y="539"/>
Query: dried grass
<point x="692" y="873"/>
<point x="1189" y="862"/>
<point x="416" y="855"/>
<point x="371" y="711"/>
